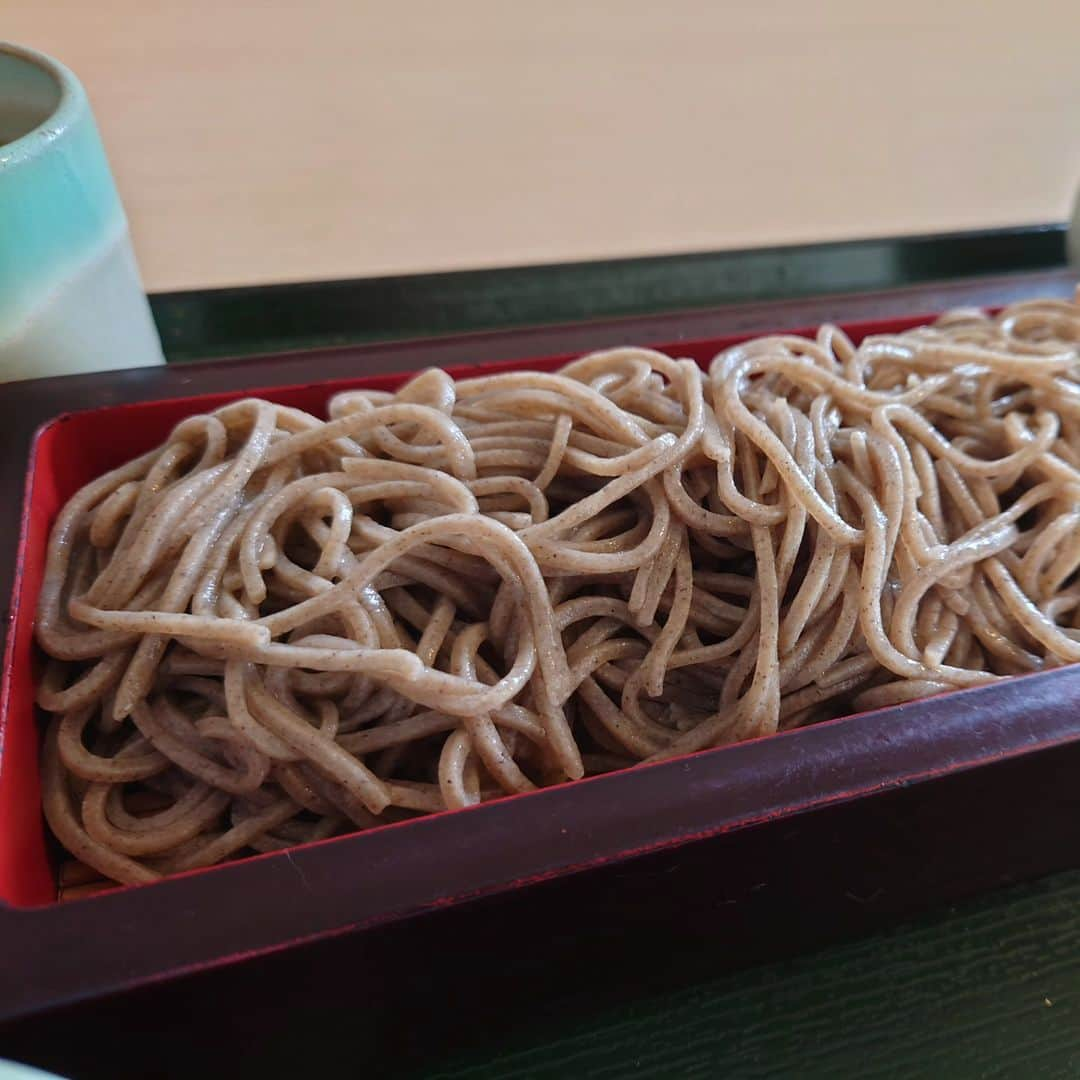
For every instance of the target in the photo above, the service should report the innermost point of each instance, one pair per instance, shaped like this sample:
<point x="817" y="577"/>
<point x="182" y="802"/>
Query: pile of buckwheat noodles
<point x="274" y="629"/>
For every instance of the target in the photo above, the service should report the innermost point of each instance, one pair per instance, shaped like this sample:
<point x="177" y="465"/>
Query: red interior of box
<point x="73" y="449"/>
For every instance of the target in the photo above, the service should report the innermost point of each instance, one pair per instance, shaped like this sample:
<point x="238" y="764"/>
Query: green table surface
<point x="237" y="321"/>
<point x="990" y="988"/>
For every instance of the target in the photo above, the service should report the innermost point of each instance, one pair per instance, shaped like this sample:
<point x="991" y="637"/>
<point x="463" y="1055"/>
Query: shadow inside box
<point x="401" y="999"/>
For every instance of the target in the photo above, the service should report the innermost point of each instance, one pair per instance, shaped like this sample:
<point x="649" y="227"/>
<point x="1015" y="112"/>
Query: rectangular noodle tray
<point x="779" y="843"/>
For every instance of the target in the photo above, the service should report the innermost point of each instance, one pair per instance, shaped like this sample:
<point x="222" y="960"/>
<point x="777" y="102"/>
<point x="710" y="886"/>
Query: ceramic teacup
<point x="70" y="296"/>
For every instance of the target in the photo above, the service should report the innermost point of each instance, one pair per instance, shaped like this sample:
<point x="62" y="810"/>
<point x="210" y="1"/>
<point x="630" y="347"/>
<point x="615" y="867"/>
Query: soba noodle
<point x="274" y="629"/>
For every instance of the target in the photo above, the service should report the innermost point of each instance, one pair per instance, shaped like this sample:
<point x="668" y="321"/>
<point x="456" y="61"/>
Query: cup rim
<point x="60" y="120"/>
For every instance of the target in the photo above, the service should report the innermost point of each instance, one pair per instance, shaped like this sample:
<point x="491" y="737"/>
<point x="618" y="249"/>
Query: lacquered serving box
<point x="765" y="846"/>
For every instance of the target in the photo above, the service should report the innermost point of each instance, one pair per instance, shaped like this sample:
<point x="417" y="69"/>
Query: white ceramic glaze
<point x="12" y="1070"/>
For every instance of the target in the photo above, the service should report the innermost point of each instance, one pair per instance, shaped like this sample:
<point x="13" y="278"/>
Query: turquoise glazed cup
<point x="70" y="296"/>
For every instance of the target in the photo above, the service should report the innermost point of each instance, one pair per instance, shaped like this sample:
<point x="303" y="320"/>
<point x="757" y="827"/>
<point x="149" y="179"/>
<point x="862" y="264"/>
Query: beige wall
<point x="279" y="141"/>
